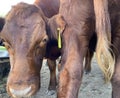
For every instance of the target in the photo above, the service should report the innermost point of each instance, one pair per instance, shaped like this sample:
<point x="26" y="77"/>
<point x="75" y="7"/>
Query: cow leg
<point x="88" y="60"/>
<point x="116" y="76"/>
<point x="116" y="80"/>
<point x="71" y="71"/>
<point x="70" y="78"/>
<point x="53" y="81"/>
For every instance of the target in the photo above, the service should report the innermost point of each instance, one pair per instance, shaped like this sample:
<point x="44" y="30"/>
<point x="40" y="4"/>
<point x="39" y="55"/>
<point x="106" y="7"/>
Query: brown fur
<point x="49" y="7"/>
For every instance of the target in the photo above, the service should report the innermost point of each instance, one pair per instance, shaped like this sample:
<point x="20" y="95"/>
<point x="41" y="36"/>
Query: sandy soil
<point x="93" y="85"/>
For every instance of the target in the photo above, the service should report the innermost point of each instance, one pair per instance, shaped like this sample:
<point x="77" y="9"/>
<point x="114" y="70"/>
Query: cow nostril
<point x="21" y="93"/>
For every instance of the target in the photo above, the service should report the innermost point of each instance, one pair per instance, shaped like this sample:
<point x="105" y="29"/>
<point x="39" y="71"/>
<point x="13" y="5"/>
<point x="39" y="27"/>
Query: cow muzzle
<point x="26" y="92"/>
<point x="18" y="89"/>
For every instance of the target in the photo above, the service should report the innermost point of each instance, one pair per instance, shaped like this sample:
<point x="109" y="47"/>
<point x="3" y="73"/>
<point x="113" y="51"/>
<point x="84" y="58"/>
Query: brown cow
<point x="76" y="21"/>
<point x="77" y="32"/>
<point x="32" y="69"/>
<point x="49" y="9"/>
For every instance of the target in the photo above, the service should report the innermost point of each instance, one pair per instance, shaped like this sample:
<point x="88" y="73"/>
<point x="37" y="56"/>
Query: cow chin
<point x="23" y="89"/>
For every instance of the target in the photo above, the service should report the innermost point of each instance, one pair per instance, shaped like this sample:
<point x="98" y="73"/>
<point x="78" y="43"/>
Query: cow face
<point x="25" y="38"/>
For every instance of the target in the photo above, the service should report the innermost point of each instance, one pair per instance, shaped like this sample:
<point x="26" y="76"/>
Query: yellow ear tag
<point x="59" y="38"/>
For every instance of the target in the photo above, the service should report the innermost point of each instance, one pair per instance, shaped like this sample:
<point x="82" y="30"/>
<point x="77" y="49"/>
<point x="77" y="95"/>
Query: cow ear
<point x="60" y="22"/>
<point x="56" y="22"/>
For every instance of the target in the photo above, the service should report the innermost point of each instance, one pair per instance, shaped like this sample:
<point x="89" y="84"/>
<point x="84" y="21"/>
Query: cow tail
<point x="104" y="54"/>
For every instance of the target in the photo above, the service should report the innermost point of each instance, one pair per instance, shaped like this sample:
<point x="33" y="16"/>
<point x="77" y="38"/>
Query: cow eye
<point x="45" y="39"/>
<point x="43" y="42"/>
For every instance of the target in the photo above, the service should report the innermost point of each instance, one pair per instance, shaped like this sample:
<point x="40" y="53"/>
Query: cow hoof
<point x="51" y="92"/>
<point x="87" y="72"/>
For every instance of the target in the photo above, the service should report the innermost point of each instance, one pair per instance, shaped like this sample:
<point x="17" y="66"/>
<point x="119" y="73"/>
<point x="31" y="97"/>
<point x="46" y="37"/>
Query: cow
<point x="77" y="20"/>
<point x="38" y="4"/>
<point x="49" y="9"/>
<point x="80" y="19"/>
<point x="75" y="25"/>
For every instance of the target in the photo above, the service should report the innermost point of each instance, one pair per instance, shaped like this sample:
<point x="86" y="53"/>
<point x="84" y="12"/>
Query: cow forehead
<point x="23" y="35"/>
<point x="24" y="25"/>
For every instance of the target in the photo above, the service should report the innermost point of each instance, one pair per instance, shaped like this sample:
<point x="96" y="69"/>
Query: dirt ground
<point x="93" y="85"/>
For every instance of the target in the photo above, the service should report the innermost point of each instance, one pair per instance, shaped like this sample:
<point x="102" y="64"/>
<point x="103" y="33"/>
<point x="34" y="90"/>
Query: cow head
<point x="25" y="38"/>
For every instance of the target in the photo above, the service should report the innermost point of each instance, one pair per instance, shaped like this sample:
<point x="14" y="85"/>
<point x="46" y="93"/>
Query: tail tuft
<point x="104" y="53"/>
